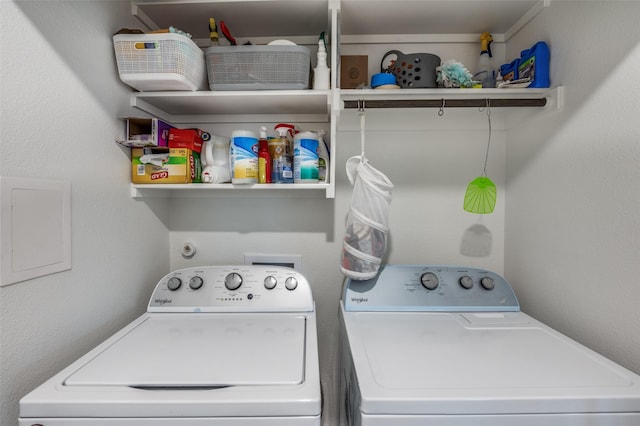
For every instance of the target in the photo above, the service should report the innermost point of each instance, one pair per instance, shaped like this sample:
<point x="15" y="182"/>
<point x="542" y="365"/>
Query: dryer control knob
<point x="270" y="282"/>
<point x="466" y="282"/>
<point x="174" y="283"/>
<point x="233" y="281"/>
<point x="196" y="282"/>
<point x="291" y="283"/>
<point x="487" y="283"/>
<point x="429" y="280"/>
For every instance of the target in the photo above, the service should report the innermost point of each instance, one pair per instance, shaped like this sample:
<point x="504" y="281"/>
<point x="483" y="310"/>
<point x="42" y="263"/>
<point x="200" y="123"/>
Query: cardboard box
<point x="165" y="165"/>
<point x="187" y="138"/>
<point x="142" y="132"/>
<point x="354" y="71"/>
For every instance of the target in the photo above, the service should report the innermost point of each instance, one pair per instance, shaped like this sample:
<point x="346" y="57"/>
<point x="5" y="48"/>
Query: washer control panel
<point x="430" y="288"/>
<point x="244" y="288"/>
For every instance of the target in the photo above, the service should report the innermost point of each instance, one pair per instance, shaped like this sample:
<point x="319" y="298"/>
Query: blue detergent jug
<point x="534" y="63"/>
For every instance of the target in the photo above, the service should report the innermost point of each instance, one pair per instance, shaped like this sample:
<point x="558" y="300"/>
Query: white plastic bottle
<point x="321" y="71"/>
<point x="324" y="157"/>
<point x="485" y="73"/>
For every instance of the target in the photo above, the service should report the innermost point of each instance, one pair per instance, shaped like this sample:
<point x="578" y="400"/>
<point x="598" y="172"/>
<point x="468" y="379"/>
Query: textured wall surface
<point x="573" y="228"/>
<point x="61" y="97"/>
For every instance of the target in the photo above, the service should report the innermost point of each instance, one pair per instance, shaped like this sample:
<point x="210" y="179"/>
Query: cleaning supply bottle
<point x="281" y="151"/>
<point x="485" y="73"/>
<point x="323" y="158"/>
<point x="305" y="157"/>
<point x="264" y="158"/>
<point x="321" y="71"/>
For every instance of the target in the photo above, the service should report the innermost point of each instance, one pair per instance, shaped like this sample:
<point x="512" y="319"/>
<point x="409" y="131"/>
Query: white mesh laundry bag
<point x="365" y="239"/>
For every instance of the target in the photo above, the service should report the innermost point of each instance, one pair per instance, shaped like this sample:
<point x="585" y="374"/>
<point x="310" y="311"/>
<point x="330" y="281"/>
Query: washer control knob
<point x="466" y="282"/>
<point x="196" y="282"/>
<point x="270" y="282"/>
<point x="291" y="283"/>
<point x="429" y="280"/>
<point x="174" y="283"/>
<point x="233" y="281"/>
<point x="487" y="283"/>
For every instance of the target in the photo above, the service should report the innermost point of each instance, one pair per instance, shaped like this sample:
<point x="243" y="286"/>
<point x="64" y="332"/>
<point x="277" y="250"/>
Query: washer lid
<point x="479" y="363"/>
<point x="201" y="351"/>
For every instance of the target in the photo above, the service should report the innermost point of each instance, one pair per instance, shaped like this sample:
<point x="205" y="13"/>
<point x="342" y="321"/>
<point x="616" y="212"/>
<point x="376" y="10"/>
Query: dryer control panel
<point x="245" y="288"/>
<point x="431" y="288"/>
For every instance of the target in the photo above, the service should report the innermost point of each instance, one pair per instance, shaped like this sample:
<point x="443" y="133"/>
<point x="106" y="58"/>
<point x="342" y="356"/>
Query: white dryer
<point x="448" y="346"/>
<point x="218" y="345"/>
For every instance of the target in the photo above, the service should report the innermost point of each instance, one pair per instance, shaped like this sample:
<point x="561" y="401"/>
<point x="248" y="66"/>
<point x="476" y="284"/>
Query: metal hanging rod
<point x="448" y="103"/>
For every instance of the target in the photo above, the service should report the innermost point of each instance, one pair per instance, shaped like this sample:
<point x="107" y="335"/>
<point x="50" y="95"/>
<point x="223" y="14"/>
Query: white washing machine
<point x="448" y="346"/>
<point x="218" y="345"/>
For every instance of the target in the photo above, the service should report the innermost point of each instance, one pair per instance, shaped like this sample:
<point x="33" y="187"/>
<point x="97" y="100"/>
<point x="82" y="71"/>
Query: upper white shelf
<point x="315" y="105"/>
<point x="421" y="98"/>
<point x="236" y="106"/>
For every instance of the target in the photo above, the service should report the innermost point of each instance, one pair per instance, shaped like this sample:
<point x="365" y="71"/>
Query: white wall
<point x="570" y="247"/>
<point x="60" y="98"/>
<point x="573" y="227"/>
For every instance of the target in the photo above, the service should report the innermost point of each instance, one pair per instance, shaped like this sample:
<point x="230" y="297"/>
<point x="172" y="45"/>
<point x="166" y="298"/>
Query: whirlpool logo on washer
<point x="359" y="299"/>
<point x="164" y="301"/>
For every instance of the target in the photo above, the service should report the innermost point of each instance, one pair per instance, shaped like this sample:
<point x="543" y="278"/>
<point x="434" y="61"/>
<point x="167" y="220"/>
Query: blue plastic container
<point x="509" y="72"/>
<point x="534" y="63"/>
<point x="382" y="79"/>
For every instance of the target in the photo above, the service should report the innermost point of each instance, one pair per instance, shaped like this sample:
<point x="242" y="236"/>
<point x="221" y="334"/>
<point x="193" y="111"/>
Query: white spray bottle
<point x="321" y="71"/>
<point x="485" y="73"/>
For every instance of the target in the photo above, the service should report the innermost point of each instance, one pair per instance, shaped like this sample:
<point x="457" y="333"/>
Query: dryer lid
<point x="174" y="351"/>
<point x="479" y="363"/>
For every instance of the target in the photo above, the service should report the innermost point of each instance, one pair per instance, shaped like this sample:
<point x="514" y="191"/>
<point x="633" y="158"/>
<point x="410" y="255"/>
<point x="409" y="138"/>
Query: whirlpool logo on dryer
<point x="162" y="301"/>
<point x="359" y="299"/>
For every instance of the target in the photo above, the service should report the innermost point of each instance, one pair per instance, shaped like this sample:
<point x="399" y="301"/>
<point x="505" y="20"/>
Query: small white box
<point x="159" y="62"/>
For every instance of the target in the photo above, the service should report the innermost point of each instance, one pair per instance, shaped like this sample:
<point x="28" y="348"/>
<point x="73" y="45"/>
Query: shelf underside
<point x="228" y="189"/>
<point x="358" y="17"/>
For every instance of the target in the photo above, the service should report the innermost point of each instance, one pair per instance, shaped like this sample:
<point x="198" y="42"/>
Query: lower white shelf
<point x="191" y="190"/>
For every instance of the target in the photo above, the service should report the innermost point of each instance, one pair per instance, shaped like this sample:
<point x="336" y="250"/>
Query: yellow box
<point x="165" y="165"/>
